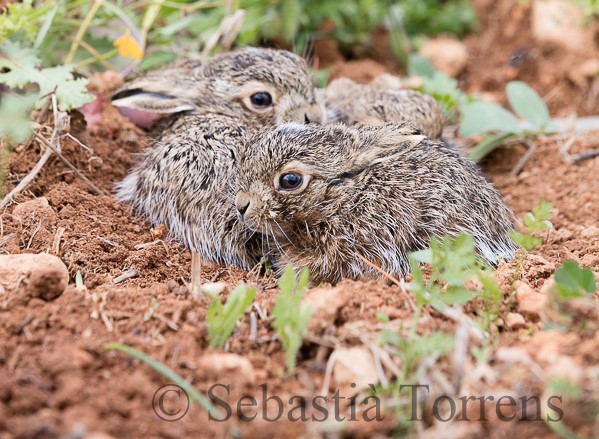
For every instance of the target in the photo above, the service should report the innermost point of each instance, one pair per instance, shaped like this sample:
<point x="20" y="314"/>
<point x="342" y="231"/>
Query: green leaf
<point x="423" y="256"/>
<point x="15" y="122"/>
<point x="290" y="316"/>
<point x="21" y="16"/>
<point x="527" y="103"/>
<point x="221" y="320"/>
<point x="573" y="281"/>
<point x="420" y="66"/>
<point x="488" y="145"/>
<point x="156" y="59"/>
<point x="525" y="240"/>
<point x="458" y="295"/>
<point x="482" y="117"/>
<point x="20" y="69"/>
<point x="78" y="279"/>
<point x="544" y="211"/>
<point x="41" y="35"/>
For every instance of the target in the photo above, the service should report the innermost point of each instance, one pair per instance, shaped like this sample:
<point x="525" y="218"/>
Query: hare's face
<point x="264" y="86"/>
<point x="290" y="179"/>
<point x="256" y="86"/>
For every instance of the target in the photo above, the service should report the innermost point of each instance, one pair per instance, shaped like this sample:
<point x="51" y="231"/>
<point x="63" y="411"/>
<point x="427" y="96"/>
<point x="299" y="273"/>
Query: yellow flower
<point x="128" y="46"/>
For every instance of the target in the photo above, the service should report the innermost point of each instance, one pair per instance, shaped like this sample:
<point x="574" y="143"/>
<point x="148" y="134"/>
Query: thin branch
<point x="86" y="180"/>
<point x="196" y="271"/>
<point x="125" y="276"/>
<point x="27" y="179"/>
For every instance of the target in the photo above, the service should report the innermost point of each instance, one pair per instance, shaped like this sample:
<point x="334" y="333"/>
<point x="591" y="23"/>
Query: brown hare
<point x="186" y="179"/>
<point x="381" y="101"/>
<point x="325" y="194"/>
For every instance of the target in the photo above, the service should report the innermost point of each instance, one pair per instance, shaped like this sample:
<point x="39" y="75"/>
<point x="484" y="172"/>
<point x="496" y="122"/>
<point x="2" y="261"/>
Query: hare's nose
<point x="242" y="202"/>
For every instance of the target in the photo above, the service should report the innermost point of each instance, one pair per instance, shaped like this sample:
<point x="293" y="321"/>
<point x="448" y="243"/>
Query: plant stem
<point x="81" y="31"/>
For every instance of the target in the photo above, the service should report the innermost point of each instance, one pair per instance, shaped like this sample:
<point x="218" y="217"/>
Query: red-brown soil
<point x="58" y="380"/>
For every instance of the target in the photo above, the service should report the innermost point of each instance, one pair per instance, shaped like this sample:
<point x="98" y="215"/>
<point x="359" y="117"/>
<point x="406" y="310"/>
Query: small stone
<point x="547" y="287"/>
<point x="36" y="210"/>
<point x="536" y="266"/>
<point x="560" y="23"/>
<point x="590" y="232"/>
<point x="64" y="358"/>
<point x="448" y="55"/>
<point x="515" y="320"/>
<point x="325" y="304"/>
<point x="220" y="364"/>
<point x="581" y="72"/>
<point x="557" y="236"/>
<point x="159" y="232"/>
<point x="565" y="367"/>
<point x="214" y="288"/>
<point x="42" y="275"/>
<point x="354" y="370"/>
<point x="530" y="302"/>
<point x="98" y="435"/>
<point x="589" y="260"/>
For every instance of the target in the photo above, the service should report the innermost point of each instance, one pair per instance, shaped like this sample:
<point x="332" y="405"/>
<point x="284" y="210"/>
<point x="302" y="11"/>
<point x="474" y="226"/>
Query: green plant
<point x="290" y="316"/>
<point x="221" y="319"/>
<point x="498" y="124"/>
<point x="150" y="313"/>
<point x="417" y="352"/>
<point x="535" y="222"/>
<point x="589" y="7"/>
<point x="440" y="86"/>
<point x="453" y="267"/>
<point x="453" y="261"/>
<point x="573" y="281"/>
<point x="432" y="17"/>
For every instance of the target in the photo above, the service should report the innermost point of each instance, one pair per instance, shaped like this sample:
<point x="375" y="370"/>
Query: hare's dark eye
<point x="290" y="181"/>
<point x="261" y="99"/>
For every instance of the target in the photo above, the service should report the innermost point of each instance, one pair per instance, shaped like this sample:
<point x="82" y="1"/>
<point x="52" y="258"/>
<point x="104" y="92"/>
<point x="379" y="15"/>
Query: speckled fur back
<point x="379" y="192"/>
<point x="382" y="101"/>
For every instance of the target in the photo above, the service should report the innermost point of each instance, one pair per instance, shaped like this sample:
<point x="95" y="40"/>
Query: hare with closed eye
<point x="326" y="194"/>
<point x="379" y="102"/>
<point x="186" y="180"/>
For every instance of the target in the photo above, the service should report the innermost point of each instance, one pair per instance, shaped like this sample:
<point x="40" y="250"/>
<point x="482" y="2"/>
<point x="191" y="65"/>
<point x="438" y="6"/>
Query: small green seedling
<point x="440" y="86"/>
<point x="290" y="316"/>
<point x="221" y="319"/>
<point x="150" y="313"/>
<point x="535" y="222"/>
<point x="78" y="280"/>
<point x="453" y="261"/>
<point x="573" y="281"/>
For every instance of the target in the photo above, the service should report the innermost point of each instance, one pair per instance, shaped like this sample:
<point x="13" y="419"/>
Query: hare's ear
<point x="379" y="143"/>
<point x="391" y="135"/>
<point x="150" y="101"/>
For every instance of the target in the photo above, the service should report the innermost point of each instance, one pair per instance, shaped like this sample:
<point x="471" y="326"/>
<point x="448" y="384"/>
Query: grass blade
<point x="488" y="145"/>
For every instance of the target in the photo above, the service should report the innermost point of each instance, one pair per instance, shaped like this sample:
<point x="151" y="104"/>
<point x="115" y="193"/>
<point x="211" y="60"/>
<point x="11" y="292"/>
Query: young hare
<point x="186" y="180"/>
<point x="259" y="86"/>
<point x="326" y="194"/>
<point x="381" y="101"/>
